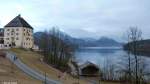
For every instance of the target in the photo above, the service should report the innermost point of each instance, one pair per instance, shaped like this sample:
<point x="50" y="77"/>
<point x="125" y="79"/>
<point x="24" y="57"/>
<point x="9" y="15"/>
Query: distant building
<point x="1" y="38"/>
<point x="17" y="34"/>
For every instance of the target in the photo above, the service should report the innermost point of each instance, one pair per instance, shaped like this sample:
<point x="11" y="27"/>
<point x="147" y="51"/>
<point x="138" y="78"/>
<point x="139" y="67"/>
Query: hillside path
<point x="31" y="72"/>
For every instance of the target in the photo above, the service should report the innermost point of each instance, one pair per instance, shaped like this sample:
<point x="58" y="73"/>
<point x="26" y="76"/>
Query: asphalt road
<point x="29" y="71"/>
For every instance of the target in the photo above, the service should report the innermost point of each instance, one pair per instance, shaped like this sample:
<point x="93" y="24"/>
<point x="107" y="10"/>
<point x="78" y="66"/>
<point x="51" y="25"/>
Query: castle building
<point x="18" y="34"/>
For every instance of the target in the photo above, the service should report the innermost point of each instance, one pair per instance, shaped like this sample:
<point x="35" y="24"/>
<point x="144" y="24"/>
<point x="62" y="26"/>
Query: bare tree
<point x="126" y="64"/>
<point x="108" y="71"/>
<point x="126" y="68"/>
<point x="135" y="35"/>
<point x="57" y="50"/>
<point x="136" y="65"/>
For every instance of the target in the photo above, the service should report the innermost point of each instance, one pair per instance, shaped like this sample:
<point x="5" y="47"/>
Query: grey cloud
<point x="83" y="18"/>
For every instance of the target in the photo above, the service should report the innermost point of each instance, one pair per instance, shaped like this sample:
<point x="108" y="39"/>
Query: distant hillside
<point x="85" y="42"/>
<point x="143" y="47"/>
<point x="36" y="36"/>
<point x="102" y="42"/>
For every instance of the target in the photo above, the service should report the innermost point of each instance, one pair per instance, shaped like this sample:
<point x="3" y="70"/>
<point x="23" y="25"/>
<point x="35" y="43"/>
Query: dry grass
<point x="109" y="83"/>
<point x="17" y="75"/>
<point x="32" y="59"/>
<point x="96" y="79"/>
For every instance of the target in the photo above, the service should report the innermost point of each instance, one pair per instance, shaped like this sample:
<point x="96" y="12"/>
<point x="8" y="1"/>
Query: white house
<point x="17" y="34"/>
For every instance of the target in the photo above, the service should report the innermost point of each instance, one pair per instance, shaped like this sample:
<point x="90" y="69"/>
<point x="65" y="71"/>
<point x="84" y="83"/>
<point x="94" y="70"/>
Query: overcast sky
<point x="81" y="18"/>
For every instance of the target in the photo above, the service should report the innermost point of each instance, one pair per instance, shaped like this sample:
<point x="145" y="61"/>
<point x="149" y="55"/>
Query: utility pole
<point x="45" y="81"/>
<point x="99" y="74"/>
<point x="11" y="67"/>
<point x="12" y="64"/>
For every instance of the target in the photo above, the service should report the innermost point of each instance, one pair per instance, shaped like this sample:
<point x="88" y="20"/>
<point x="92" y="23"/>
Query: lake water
<point x="98" y="55"/>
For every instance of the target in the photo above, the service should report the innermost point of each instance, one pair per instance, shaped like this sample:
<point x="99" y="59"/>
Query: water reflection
<point x="99" y="55"/>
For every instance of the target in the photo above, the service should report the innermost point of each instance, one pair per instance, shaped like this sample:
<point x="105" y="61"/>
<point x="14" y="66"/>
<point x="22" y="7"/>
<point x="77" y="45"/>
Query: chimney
<point x="19" y="15"/>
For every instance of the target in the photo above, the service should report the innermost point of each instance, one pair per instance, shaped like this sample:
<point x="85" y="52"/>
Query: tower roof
<point x="18" y="21"/>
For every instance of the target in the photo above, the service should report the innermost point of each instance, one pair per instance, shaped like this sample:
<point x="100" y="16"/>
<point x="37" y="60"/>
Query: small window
<point x="17" y="29"/>
<point x="24" y="30"/>
<point x="7" y="38"/>
<point x="9" y="45"/>
<point x="12" y="30"/>
<point x="7" y="33"/>
<point x="17" y="34"/>
<point x="17" y="38"/>
<point x="7" y="29"/>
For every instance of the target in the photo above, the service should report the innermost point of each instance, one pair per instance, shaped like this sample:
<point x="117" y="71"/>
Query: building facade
<point x="18" y="34"/>
<point x="1" y="38"/>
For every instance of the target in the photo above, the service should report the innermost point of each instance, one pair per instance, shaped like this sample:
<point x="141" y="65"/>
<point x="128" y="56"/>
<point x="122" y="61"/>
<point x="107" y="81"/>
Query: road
<point x="29" y="71"/>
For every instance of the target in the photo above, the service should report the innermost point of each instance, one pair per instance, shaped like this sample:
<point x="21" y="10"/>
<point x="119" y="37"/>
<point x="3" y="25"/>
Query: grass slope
<point x="17" y="75"/>
<point x="32" y="59"/>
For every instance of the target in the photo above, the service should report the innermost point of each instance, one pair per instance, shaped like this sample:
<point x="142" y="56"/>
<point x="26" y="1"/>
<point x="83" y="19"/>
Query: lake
<point x="99" y="55"/>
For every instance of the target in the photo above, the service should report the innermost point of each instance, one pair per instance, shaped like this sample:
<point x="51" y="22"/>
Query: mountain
<point x="84" y="42"/>
<point x="102" y="42"/>
<point x="105" y="41"/>
<point x="37" y="37"/>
